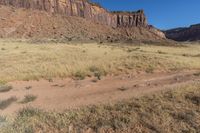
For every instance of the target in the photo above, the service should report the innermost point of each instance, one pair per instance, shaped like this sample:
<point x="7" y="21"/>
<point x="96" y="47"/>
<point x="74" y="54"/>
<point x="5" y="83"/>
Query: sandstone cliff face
<point x="125" y="19"/>
<point x="85" y="9"/>
<point x="84" y="20"/>
<point x="191" y="33"/>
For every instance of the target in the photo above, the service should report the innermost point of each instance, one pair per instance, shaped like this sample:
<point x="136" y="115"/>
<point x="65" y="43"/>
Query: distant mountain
<point x="191" y="33"/>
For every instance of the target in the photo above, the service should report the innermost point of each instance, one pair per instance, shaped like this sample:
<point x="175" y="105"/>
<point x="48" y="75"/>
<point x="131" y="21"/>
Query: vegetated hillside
<point x="191" y="33"/>
<point x="25" y="23"/>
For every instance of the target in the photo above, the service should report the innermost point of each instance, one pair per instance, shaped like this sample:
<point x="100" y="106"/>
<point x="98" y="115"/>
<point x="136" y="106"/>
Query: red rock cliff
<point x="85" y="9"/>
<point x="130" y="19"/>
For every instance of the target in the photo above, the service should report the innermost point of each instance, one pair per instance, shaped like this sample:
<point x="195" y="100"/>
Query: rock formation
<point x="127" y="19"/>
<point x="83" y="8"/>
<point x="191" y="33"/>
<point x="73" y="19"/>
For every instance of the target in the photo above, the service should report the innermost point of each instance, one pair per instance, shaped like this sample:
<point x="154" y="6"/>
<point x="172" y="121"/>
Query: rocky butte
<point x="72" y="19"/>
<point x="83" y="8"/>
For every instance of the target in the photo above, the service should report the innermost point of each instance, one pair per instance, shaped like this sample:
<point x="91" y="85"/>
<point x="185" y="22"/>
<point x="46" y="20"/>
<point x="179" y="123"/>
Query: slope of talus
<point x="25" y="23"/>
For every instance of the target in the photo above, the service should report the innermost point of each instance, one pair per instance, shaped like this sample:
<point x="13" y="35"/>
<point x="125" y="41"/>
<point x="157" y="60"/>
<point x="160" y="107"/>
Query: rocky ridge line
<point x="85" y="9"/>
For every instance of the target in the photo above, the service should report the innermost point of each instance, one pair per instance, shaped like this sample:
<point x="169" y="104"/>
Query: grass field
<point x="173" y="111"/>
<point x="22" y="60"/>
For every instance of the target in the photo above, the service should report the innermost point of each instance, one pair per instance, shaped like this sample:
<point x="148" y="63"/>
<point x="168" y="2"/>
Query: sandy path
<point x="64" y="94"/>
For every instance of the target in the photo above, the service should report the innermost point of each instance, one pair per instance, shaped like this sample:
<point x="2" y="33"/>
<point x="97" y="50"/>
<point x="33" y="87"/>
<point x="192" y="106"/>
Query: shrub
<point x="98" y="73"/>
<point x="80" y="75"/>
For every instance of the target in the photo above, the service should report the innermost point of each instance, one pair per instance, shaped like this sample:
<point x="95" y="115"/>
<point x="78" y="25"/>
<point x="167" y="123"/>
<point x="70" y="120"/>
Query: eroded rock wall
<point x="83" y="8"/>
<point x="125" y="19"/>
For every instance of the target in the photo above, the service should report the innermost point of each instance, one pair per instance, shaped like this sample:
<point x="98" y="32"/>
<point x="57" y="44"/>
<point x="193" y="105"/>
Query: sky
<point x="163" y="14"/>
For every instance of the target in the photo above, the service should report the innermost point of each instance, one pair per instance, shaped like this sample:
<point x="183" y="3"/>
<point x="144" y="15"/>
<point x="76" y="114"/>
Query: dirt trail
<point x="67" y="93"/>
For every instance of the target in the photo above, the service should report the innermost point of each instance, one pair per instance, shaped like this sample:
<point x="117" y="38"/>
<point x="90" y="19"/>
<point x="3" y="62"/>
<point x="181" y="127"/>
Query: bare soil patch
<point x="68" y="93"/>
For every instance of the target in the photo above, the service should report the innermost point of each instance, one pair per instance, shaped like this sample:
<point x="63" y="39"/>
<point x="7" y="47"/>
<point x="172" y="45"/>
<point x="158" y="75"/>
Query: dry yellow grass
<point x="20" y="60"/>
<point x="172" y="111"/>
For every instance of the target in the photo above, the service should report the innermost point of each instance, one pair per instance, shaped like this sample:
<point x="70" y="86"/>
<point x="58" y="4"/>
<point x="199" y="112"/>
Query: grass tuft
<point x="28" y="98"/>
<point x="149" y="69"/>
<point x="197" y="74"/>
<point x="123" y="88"/>
<point x="97" y="72"/>
<point x="28" y="87"/>
<point x="5" y="103"/>
<point x="3" y="121"/>
<point x="194" y="98"/>
<point x="160" y="52"/>
<point x="5" y="88"/>
<point x="79" y="75"/>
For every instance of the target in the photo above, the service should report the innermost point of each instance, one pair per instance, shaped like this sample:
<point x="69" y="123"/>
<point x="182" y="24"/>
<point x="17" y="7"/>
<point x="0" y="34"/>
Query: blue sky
<point x="163" y="14"/>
